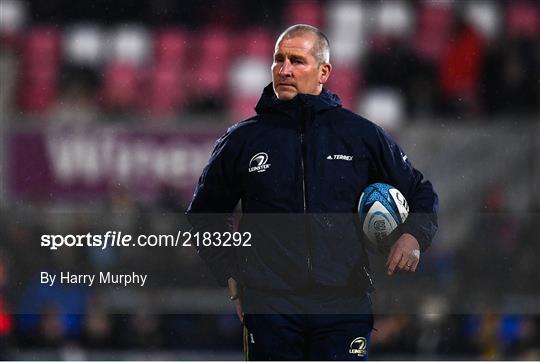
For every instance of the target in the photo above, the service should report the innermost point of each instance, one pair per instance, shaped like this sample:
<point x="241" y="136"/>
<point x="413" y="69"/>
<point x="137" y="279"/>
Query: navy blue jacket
<point x="298" y="168"/>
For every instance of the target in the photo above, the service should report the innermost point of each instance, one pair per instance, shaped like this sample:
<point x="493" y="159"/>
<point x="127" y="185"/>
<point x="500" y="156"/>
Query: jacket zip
<point x="304" y="191"/>
<point x="309" y="266"/>
<point x="303" y="171"/>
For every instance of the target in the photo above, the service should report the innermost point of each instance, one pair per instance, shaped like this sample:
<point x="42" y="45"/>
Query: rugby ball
<point x="382" y="208"/>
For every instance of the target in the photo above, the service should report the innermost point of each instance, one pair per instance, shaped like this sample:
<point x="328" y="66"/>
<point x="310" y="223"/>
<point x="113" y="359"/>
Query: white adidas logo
<point x="339" y="157"/>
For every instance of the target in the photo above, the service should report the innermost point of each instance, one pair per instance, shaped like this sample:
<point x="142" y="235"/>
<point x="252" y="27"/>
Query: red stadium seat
<point x="212" y="62"/>
<point x="255" y="43"/>
<point x="42" y="47"/>
<point x="434" y="25"/>
<point x="39" y="70"/>
<point x="165" y="92"/>
<point x="242" y="107"/>
<point x="304" y="12"/>
<point x="523" y="19"/>
<point x="170" y="47"/>
<point x="345" y="81"/>
<point x="120" y="86"/>
<point x="38" y="90"/>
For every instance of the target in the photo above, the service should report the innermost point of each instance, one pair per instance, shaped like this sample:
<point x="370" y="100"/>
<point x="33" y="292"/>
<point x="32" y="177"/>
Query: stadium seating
<point x="165" y="92"/>
<point x="304" y="12"/>
<point x="40" y="62"/>
<point x="171" y="69"/>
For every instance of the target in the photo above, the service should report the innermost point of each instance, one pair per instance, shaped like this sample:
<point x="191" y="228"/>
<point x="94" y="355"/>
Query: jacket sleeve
<point x="393" y="167"/>
<point x="215" y="197"/>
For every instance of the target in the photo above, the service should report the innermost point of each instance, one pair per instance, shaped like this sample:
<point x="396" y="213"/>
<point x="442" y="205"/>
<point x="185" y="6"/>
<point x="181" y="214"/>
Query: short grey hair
<point x="321" y="48"/>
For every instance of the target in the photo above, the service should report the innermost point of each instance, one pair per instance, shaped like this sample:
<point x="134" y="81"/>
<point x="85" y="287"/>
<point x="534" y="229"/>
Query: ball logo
<point x="401" y="203"/>
<point x="358" y="346"/>
<point x="259" y="163"/>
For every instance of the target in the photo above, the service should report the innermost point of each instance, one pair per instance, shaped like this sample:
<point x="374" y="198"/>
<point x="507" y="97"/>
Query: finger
<point x="414" y="259"/>
<point x="412" y="262"/>
<point x="405" y="269"/>
<point x="233" y="291"/>
<point x="404" y="263"/>
<point x="394" y="262"/>
<point x="389" y="259"/>
<point x="415" y="265"/>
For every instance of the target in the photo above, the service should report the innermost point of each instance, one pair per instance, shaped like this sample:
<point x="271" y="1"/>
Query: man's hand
<point x="235" y="297"/>
<point x="404" y="255"/>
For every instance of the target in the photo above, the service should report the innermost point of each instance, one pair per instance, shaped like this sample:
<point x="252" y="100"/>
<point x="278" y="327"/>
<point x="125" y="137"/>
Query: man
<point x="304" y="283"/>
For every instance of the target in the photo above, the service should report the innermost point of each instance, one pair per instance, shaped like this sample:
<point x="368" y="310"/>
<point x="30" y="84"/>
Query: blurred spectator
<point x="460" y="71"/>
<point x="392" y="64"/>
<point x="49" y="315"/>
<point x="143" y="331"/>
<point x="52" y="329"/>
<point x="510" y="77"/>
<point x="6" y="321"/>
<point x="97" y="328"/>
<point x="494" y="239"/>
<point x="388" y="337"/>
<point x="527" y="344"/>
<point x="77" y="99"/>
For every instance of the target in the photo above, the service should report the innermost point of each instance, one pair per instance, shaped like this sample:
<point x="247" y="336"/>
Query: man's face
<point x="295" y="68"/>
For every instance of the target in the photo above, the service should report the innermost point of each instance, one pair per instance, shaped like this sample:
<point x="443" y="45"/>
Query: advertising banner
<point x="57" y="164"/>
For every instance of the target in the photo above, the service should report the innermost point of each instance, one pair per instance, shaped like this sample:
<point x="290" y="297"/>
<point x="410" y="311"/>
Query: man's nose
<point x="285" y="69"/>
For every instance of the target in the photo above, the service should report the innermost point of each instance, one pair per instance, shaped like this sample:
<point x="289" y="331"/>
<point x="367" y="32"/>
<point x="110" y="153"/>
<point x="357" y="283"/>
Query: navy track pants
<point x="324" y="335"/>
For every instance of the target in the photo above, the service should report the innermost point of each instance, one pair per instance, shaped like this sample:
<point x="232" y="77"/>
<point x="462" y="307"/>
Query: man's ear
<point x="326" y="69"/>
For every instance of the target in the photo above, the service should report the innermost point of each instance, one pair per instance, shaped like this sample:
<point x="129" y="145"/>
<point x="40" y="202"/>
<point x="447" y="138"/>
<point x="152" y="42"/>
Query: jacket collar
<point x="269" y="103"/>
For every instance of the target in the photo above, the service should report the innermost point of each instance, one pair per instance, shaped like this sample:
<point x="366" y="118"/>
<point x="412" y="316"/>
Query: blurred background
<point x="109" y="110"/>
